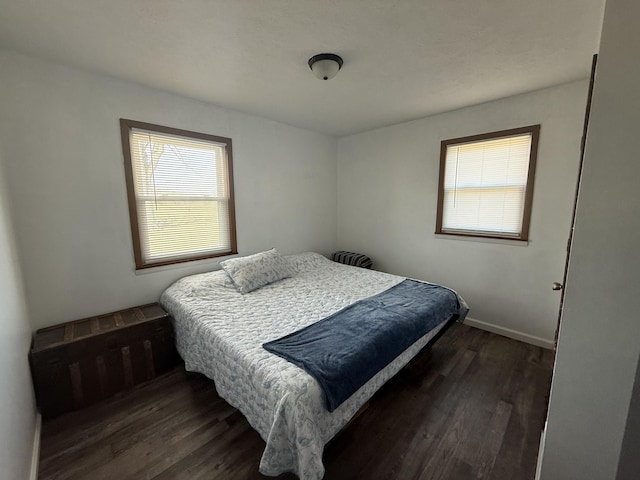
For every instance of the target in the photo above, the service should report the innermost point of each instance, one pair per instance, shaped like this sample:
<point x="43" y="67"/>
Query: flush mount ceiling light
<point x="325" y="65"/>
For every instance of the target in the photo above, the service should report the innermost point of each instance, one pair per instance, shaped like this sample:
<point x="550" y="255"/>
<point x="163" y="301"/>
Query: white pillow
<point x="255" y="271"/>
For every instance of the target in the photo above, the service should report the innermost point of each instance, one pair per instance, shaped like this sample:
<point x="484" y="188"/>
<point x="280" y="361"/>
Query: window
<point x="486" y="184"/>
<point x="180" y="190"/>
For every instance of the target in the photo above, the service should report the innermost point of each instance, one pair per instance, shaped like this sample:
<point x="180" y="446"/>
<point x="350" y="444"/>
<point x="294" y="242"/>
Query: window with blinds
<point x="486" y="184"/>
<point x="180" y="190"/>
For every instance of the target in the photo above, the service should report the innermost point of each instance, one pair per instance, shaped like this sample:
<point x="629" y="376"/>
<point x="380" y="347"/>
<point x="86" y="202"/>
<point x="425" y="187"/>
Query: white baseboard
<point x="35" y="455"/>
<point x="507" y="332"/>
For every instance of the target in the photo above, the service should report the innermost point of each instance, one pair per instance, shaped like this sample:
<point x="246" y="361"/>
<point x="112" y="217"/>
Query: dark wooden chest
<point x="78" y="363"/>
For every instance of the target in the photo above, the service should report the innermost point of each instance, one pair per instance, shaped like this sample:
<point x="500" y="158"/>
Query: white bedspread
<point x="220" y="332"/>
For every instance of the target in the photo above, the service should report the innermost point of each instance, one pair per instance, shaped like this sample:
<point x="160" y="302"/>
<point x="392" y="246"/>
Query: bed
<point x="220" y="332"/>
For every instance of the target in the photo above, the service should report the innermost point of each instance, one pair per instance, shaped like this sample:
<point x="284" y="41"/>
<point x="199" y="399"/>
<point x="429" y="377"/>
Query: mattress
<point x="220" y="332"/>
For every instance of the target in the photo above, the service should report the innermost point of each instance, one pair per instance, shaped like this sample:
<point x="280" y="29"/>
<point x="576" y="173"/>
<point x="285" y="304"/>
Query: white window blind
<point x="485" y="186"/>
<point x="181" y="196"/>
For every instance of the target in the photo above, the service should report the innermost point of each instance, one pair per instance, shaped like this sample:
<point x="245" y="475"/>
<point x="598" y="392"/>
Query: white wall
<point x="17" y="407"/>
<point x="599" y="339"/>
<point x="60" y="130"/>
<point x="387" y="196"/>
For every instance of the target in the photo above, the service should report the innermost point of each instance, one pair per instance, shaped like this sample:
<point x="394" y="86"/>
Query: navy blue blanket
<point x="343" y="351"/>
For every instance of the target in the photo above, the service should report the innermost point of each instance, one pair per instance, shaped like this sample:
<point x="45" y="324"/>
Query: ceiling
<point x="403" y="59"/>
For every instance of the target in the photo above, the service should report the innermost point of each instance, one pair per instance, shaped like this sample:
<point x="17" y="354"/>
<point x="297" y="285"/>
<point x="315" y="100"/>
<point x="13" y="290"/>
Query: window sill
<point x="469" y="238"/>
<point x="212" y="263"/>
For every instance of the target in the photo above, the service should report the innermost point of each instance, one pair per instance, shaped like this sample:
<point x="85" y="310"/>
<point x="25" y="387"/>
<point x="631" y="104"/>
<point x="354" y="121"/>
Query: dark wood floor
<point x="473" y="407"/>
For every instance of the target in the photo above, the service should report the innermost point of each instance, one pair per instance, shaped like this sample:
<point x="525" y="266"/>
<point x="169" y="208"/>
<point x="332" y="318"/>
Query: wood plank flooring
<point x="472" y="407"/>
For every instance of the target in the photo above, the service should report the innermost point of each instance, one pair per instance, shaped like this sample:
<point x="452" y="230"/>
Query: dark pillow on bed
<point x="255" y="271"/>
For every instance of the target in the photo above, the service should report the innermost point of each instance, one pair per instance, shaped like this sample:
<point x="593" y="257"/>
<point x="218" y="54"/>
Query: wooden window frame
<point x="125" y="129"/>
<point x="534" y="130"/>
